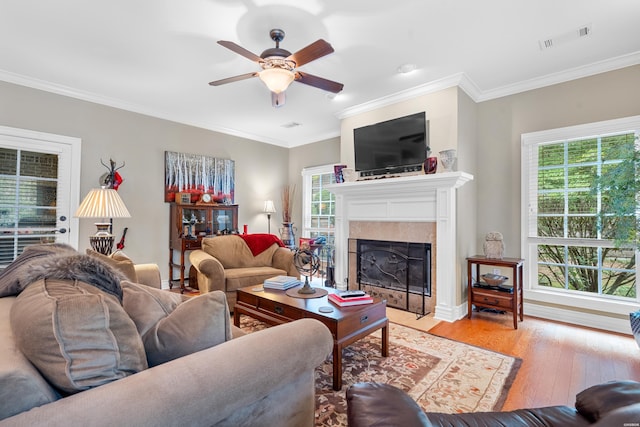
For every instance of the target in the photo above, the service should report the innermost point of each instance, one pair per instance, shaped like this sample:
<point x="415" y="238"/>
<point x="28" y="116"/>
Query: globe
<point x="307" y="262"/>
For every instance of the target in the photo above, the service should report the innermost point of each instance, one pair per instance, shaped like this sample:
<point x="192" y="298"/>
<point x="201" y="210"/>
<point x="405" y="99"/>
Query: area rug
<point x="440" y="374"/>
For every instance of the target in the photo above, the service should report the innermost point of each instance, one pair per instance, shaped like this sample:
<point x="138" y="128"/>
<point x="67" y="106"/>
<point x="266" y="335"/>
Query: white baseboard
<point x="450" y="314"/>
<point x="591" y="320"/>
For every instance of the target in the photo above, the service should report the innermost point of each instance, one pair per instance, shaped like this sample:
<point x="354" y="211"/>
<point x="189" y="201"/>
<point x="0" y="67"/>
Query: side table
<point x="183" y="245"/>
<point x="495" y="299"/>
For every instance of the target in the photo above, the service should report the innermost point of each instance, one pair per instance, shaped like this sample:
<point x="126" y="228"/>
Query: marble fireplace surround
<point x="411" y="204"/>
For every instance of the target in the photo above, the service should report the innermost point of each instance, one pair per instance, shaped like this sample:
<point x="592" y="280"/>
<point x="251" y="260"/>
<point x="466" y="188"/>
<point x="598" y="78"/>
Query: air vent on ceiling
<point x="291" y="125"/>
<point x="550" y="42"/>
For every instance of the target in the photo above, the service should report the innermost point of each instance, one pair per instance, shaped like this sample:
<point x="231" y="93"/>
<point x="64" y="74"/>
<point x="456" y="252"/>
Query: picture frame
<point x="183" y="198"/>
<point x="197" y="174"/>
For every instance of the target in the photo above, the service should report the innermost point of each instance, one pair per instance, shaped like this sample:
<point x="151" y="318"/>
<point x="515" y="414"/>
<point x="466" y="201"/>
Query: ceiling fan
<point x="279" y="67"/>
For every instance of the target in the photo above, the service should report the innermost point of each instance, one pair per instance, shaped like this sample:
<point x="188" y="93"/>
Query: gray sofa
<point x="253" y="379"/>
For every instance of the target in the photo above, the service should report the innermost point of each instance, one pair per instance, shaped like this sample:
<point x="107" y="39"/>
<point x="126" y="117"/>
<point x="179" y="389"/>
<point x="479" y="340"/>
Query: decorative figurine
<point x="493" y="245"/>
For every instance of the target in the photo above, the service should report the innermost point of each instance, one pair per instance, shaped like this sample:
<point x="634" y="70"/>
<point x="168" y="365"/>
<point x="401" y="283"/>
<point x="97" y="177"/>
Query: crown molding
<point x="63" y="90"/>
<point x="434" y="86"/>
<point x="478" y="95"/>
<point x="460" y="80"/>
<point x="562" y="77"/>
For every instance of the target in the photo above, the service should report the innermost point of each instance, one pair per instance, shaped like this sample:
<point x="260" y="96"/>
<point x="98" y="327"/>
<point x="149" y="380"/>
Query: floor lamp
<point x="103" y="203"/>
<point x="269" y="208"/>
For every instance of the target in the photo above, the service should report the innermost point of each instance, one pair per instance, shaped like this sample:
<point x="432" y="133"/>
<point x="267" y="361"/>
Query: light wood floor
<point x="558" y="360"/>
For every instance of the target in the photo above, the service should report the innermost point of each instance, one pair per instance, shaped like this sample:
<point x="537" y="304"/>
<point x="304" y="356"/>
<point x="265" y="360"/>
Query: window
<point x="569" y="232"/>
<point x="318" y="203"/>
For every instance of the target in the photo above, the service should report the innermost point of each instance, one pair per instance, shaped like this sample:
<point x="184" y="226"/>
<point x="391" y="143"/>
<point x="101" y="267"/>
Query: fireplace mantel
<point x="416" y="198"/>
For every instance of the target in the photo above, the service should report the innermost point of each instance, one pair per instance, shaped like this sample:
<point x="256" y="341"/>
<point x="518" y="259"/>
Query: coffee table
<point x="347" y="324"/>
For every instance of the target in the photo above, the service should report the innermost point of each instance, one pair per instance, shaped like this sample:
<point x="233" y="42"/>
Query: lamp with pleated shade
<point x="105" y="204"/>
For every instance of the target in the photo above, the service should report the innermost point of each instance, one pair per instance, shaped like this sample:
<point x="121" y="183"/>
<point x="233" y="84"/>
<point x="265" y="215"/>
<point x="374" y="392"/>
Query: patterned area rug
<point x="442" y="375"/>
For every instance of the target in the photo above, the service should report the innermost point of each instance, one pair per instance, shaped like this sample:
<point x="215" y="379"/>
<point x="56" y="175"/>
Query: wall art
<point x="197" y="174"/>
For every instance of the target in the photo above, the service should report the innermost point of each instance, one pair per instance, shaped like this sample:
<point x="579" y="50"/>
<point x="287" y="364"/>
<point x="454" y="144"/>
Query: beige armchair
<point x="226" y="263"/>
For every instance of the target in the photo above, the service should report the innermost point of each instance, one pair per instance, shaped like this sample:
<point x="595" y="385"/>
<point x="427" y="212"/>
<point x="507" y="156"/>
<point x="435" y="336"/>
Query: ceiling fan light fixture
<point x="277" y="79"/>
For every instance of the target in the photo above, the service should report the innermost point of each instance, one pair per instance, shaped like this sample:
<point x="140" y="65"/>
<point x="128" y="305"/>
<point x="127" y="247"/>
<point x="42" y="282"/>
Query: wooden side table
<point x="183" y="246"/>
<point x="495" y="299"/>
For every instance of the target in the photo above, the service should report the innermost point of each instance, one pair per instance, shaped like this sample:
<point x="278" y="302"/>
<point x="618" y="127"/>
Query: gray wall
<point x="320" y="153"/>
<point x="487" y="136"/>
<point x="140" y="141"/>
<point x="501" y="121"/>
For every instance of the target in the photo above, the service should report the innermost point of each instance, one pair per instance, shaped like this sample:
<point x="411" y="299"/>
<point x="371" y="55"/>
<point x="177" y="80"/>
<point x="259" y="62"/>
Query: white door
<point x="39" y="186"/>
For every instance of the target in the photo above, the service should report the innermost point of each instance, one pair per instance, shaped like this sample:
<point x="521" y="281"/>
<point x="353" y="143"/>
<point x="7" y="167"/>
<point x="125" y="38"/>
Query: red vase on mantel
<point x="430" y="165"/>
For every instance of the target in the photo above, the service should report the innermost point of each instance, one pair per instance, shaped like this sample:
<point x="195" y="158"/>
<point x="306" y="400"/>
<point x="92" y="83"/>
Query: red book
<point x="356" y="298"/>
<point x="342" y="302"/>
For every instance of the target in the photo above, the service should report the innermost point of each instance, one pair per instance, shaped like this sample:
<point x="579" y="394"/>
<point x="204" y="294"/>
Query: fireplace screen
<point x="396" y="267"/>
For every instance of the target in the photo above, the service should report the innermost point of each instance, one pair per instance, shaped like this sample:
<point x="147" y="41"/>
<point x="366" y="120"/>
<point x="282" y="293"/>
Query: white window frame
<point x="550" y="301"/>
<point x="68" y="149"/>
<point x="307" y="174"/>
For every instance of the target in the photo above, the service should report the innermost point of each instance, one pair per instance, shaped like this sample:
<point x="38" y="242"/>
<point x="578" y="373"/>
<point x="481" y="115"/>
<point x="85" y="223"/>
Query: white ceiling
<point x="157" y="57"/>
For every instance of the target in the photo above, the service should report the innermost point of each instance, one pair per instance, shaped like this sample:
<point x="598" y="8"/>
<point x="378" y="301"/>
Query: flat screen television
<point x="393" y="146"/>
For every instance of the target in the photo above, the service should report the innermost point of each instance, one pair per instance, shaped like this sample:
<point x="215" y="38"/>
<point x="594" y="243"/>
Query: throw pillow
<point x="13" y="278"/>
<point x="79" y="267"/>
<point x="78" y="336"/>
<point x="119" y="261"/>
<point x="172" y="328"/>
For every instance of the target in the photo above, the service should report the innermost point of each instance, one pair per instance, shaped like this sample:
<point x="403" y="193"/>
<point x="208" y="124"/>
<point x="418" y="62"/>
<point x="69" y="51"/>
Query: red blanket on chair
<point x="259" y="242"/>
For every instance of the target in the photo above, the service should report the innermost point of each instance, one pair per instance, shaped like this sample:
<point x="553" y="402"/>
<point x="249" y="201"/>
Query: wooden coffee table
<point x="347" y="324"/>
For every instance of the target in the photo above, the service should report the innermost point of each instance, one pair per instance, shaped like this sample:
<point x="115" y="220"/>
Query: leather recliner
<point x="615" y="403"/>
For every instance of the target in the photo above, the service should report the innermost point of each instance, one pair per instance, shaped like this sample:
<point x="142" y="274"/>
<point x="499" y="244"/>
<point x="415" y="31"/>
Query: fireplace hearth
<point x="399" y="272"/>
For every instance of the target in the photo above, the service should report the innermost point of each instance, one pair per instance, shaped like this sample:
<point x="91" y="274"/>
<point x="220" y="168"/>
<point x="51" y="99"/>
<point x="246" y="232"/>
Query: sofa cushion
<point x="595" y="402"/>
<point x="370" y="404"/>
<point x="624" y="416"/>
<point x="13" y="278"/>
<point x="77" y="336"/>
<point x="233" y="252"/>
<point x="242" y="277"/>
<point x="21" y="385"/>
<point x="172" y="327"/>
<point x="119" y="261"/>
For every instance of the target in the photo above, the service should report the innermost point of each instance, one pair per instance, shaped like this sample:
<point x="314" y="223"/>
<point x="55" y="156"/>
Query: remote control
<point x="352" y="294"/>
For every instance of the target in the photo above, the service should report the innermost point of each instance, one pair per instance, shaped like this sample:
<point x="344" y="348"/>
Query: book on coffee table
<point x="346" y="302"/>
<point x="281" y="282"/>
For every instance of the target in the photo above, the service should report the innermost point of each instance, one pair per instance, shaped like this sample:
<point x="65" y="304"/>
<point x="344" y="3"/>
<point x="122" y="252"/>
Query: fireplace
<point x="420" y="208"/>
<point x="400" y="272"/>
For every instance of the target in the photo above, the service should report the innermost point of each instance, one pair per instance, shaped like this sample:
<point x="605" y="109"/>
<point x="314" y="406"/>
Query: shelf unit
<point x="189" y="224"/>
<point x="495" y="299"/>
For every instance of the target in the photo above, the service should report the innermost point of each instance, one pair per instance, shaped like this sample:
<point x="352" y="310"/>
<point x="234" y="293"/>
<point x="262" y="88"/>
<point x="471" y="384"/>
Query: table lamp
<point x="103" y="203"/>
<point x="269" y="208"/>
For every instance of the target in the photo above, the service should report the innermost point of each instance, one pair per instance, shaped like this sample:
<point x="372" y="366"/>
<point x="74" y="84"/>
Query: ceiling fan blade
<point x="239" y="50"/>
<point x="315" y="50"/>
<point x="319" y="82"/>
<point x="233" y="79"/>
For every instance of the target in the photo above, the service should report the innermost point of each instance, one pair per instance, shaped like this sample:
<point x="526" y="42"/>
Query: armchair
<point x="230" y="262"/>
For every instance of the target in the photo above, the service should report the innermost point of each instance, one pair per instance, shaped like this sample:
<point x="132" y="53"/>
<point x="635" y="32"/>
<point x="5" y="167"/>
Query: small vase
<point x="448" y="158"/>
<point x="430" y="165"/>
<point x="287" y="234"/>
